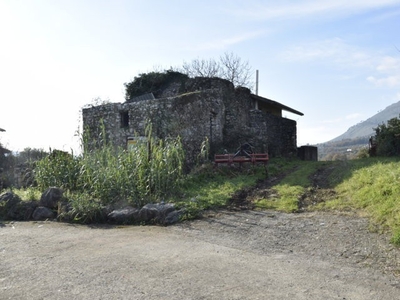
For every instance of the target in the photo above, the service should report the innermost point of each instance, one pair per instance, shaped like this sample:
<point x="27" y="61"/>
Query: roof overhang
<point x="276" y="104"/>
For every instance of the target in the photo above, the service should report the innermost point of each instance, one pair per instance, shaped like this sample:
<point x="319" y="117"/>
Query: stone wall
<point x="211" y="108"/>
<point x="193" y="116"/>
<point x="273" y="134"/>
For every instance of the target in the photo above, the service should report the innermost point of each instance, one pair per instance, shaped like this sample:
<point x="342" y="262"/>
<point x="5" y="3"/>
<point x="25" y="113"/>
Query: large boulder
<point x="173" y="217"/>
<point x="51" y="197"/>
<point x="8" y="201"/>
<point x="157" y="213"/>
<point x="43" y="213"/>
<point x="126" y="215"/>
<point x="160" y="213"/>
<point x="22" y="211"/>
<point x="148" y="213"/>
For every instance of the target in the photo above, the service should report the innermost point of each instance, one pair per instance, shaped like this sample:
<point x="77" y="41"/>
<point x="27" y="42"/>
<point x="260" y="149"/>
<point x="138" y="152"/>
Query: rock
<point x="8" y="201"/>
<point x="165" y="209"/>
<point x="51" y="197"/>
<point x="148" y="212"/>
<point x="126" y="215"/>
<point x="173" y="217"/>
<point x="157" y="213"/>
<point x="42" y="213"/>
<point x="22" y="211"/>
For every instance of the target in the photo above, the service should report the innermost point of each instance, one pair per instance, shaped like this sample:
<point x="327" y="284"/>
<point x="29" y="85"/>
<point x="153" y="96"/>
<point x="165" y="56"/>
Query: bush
<point x="388" y="138"/>
<point x="152" y="82"/>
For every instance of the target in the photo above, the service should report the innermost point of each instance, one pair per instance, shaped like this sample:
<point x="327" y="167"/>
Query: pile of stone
<point x="53" y="206"/>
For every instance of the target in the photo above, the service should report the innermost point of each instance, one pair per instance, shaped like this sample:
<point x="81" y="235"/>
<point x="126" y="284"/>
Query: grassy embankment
<point x="370" y="185"/>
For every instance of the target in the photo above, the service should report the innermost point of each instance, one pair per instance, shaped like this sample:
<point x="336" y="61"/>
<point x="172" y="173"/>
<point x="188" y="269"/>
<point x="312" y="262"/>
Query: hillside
<point x="356" y="137"/>
<point x="366" y="128"/>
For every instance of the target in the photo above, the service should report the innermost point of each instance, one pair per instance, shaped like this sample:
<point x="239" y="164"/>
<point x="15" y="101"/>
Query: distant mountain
<point x="366" y="128"/>
<point x="356" y="137"/>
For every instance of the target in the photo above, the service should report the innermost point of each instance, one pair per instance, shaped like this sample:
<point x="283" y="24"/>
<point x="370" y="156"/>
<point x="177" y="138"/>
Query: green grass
<point x="369" y="185"/>
<point x="147" y="173"/>
<point x="28" y="194"/>
<point x="212" y="188"/>
<point x="291" y="187"/>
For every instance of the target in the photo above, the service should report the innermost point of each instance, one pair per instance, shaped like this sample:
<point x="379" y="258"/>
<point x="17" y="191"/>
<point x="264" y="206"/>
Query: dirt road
<point x="226" y="255"/>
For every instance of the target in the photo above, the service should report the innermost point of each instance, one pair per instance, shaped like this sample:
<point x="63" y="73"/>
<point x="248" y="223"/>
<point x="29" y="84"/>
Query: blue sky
<point x="336" y="61"/>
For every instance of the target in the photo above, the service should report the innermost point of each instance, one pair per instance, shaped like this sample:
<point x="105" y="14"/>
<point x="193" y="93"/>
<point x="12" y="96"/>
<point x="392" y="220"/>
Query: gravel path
<point x="226" y="255"/>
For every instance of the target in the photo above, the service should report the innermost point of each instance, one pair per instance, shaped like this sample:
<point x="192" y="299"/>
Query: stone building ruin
<point x="196" y="109"/>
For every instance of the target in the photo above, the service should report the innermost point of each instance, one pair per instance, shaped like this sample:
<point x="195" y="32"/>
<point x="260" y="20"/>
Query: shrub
<point x="387" y="138"/>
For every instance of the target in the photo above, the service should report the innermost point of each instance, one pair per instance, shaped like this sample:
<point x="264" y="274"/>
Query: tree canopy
<point x="387" y="137"/>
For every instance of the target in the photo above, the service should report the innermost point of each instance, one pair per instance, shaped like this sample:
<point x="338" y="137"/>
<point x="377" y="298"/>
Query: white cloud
<point x="383" y="70"/>
<point x="388" y="81"/>
<point x="388" y="73"/>
<point x="305" y="9"/>
<point x="388" y="64"/>
<point x="222" y="43"/>
<point x="334" y="50"/>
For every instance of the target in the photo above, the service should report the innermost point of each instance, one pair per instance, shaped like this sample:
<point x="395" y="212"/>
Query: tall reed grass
<point x="145" y="173"/>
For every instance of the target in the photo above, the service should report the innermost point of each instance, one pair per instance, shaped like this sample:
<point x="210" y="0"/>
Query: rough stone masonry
<point x="207" y="108"/>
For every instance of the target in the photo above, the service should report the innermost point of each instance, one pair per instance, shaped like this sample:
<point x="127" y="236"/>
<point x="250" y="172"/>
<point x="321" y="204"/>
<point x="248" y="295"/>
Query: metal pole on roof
<point x="257" y="82"/>
<point x="256" y="102"/>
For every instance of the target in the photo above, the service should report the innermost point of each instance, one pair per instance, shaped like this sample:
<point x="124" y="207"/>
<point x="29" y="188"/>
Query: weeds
<point x="147" y="172"/>
<point x="211" y="188"/>
<point x="152" y="171"/>
<point x="28" y="194"/>
<point x="296" y="179"/>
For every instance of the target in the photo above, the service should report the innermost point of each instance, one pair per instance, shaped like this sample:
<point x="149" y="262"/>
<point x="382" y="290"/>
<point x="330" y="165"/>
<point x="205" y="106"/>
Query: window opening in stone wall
<point x="124" y="119"/>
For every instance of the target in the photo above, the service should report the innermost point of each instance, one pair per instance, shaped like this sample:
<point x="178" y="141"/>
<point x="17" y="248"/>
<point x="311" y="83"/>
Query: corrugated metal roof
<point x="148" y="96"/>
<point x="276" y="104"/>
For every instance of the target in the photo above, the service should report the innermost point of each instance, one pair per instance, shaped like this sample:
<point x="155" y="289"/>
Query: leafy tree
<point x="29" y="155"/>
<point x="6" y="163"/>
<point x="3" y="156"/>
<point x="387" y="137"/>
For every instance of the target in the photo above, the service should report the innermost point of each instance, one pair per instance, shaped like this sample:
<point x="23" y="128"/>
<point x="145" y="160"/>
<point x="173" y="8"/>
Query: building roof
<point x="148" y="96"/>
<point x="276" y="104"/>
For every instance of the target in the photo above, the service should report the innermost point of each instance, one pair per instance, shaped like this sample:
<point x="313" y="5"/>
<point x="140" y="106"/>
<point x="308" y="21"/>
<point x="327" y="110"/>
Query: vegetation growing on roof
<point x="229" y="66"/>
<point x="152" y="82"/>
